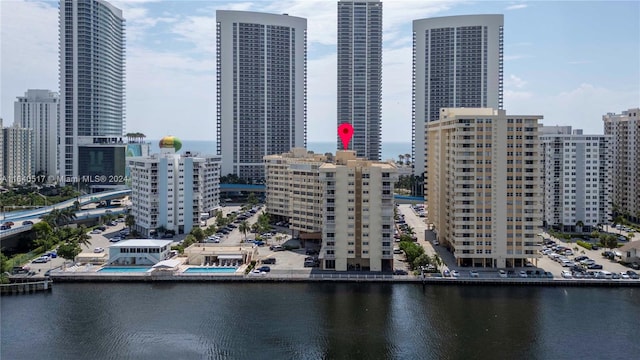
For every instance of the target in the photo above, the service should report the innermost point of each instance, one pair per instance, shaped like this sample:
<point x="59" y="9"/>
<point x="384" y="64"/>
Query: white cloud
<point x="514" y="81"/>
<point x="579" y="62"/>
<point x="516" y="57"/>
<point x="29" y="55"/>
<point x="516" y="7"/>
<point x="199" y="30"/>
<point x="581" y="107"/>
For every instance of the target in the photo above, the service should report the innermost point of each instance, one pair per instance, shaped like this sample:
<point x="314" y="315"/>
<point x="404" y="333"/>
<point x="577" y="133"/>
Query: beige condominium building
<point x="358" y="214"/>
<point x="484" y="189"/>
<point x="294" y="191"/>
<point x="625" y="132"/>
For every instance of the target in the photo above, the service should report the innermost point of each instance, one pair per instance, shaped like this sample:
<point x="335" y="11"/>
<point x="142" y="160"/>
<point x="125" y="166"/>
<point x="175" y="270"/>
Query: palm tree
<point x="130" y="221"/>
<point x="579" y="226"/>
<point x="407" y="158"/>
<point x="80" y="236"/>
<point x="244" y="227"/>
<point x="400" y="159"/>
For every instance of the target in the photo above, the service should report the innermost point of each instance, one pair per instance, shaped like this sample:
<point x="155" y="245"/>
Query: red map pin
<point x="345" y="131"/>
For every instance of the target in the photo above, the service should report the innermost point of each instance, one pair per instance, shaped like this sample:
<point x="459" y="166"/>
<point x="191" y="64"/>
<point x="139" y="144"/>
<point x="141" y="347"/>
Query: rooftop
<point x="142" y="243"/>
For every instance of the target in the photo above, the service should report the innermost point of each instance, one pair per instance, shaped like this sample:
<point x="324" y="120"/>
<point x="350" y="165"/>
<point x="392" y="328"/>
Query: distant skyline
<point x="571" y="62"/>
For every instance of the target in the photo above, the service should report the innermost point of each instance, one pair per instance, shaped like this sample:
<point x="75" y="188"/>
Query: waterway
<point x="320" y="321"/>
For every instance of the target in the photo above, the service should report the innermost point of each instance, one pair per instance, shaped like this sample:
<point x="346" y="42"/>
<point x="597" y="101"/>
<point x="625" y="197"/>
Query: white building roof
<point x="142" y="243"/>
<point x="167" y="264"/>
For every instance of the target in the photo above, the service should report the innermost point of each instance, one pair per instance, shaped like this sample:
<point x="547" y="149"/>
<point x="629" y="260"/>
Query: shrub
<point x="584" y="244"/>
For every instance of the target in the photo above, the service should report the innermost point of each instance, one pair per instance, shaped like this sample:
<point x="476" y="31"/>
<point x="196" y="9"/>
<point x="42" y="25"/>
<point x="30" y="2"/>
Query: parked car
<point x="624" y="275"/>
<point x="523" y="274"/>
<point x="400" y="272"/>
<point x="259" y="242"/>
<point x="264" y="269"/>
<point x="474" y="274"/>
<point x="594" y="266"/>
<point x="455" y="273"/>
<point x="502" y="273"/>
<point x="98" y="250"/>
<point x="41" y="260"/>
<point x="115" y="239"/>
<point x="269" y="260"/>
<point x="96" y="231"/>
<point x="446" y="273"/>
<point x="566" y="274"/>
<point x="633" y="274"/>
<point x="276" y="248"/>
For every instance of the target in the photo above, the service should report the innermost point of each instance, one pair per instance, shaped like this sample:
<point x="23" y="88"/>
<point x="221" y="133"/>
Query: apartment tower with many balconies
<point x="92" y="94"/>
<point x="484" y="187"/>
<point x="457" y="62"/>
<point x="577" y="179"/>
<point x="38" y="110"/>
<point x="171" y="191"/>
<point x="358" y="224"/>
<point x="624" y="129"/>
<point x="261" y="63"/>
<point x="294" y="192"/>
<point x="360" y="74"/>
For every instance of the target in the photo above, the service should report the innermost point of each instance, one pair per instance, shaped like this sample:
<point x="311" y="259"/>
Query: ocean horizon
<point x="390" y="150"/>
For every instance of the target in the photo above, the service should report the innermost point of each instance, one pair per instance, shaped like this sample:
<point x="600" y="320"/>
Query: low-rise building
<point x="139" y="252"/>
<point x="205" y="254"/>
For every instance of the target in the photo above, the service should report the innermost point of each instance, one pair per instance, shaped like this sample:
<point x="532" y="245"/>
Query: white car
<point x="523" y="274"/>
<point x="624" y="275"/>
<point x="455" y="273"/>
<point x="96" y="231"/>
<point x="566" y="274"/>
<point x="502" y="273"/>
<point x="98" y="250"/>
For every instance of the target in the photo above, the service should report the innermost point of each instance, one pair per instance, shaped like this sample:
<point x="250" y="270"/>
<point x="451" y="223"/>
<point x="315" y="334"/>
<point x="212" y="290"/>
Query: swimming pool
<point x="210" y="270"/>
<point x="124" y="269"/>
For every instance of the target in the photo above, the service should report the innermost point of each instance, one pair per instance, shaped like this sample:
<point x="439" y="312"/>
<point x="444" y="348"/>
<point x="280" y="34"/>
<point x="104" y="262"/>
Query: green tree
<point x="161" y="229"/>
<point x="42" y="229"/>
<point x="579" y="226"/>
<point x="422" y="260"/>
<point x="130" y="221"/>
<point x="197" y="233"/>
<point x="244" y="228"/>
<point x="210" y="230"/>
<point x="80" y="236"/>
<point x="252" y="199"/>
<point x="4" y="263"/>
<point x="69" y="251"/>
<point x="188" y="241"/>
<point x="411" y="250"/>
<point x="610" y="241"/>
<point x="220" y="220"/>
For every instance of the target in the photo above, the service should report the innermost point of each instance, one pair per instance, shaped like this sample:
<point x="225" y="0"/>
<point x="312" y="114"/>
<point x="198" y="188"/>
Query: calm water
<point x="390" y="150"/>
<point x="320" y="321"/>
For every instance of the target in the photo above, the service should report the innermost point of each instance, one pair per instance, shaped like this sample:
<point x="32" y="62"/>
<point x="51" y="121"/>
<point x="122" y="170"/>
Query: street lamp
<point x="44" y="197"/>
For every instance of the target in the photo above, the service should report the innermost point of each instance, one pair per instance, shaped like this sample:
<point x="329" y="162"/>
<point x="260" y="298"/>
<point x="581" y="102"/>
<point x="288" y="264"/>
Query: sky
<point x="570" y="61"/>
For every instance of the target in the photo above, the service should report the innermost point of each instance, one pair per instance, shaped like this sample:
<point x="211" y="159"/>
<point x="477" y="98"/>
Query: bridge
<point x="34" y="215"/>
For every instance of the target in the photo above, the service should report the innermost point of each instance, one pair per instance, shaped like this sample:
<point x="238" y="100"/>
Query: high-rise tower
<point x="457" y="62"/>
<point x="261" y="87"/>
<point x="360" y="74"/>
<point x="92" y="76"/>
<point x="38" y="110"/>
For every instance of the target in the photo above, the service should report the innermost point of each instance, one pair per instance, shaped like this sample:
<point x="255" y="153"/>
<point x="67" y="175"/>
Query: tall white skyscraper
<point x="261" y="63"/>
<point x="625" y="131"/>
<point x="92" y="76"/>
<point x="457" y="62"/>
<point x="360" y="74"/>
<point x="38" y="110"/>
<point x="577" y="178"/>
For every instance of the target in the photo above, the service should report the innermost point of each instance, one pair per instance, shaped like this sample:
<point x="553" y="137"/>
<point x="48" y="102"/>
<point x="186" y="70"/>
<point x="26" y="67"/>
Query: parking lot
<point x="539" y="266"/>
